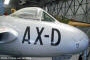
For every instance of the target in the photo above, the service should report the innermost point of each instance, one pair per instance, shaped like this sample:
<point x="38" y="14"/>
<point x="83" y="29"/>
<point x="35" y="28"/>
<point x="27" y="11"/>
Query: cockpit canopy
<point x="33" y="13"/>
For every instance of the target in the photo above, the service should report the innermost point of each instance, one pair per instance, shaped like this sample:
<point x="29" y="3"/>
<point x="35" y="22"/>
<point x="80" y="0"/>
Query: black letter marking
<point x="39" y="36"/>
<point x="27" y="32"/>
<point x="52" y="37"/>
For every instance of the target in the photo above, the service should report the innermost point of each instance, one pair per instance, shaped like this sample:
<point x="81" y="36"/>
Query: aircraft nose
<point x="82" y="44"/>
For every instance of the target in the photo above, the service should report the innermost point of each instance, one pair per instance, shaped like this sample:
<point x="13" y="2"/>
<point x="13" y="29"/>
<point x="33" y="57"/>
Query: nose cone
<point x="81" y="41"/>
<point x="82" y="44"/>
<point x="76" y="40"/>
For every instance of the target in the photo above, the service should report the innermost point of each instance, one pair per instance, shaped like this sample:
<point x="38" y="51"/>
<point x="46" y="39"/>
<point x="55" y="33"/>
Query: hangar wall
<point x="72" y="9"/>
<point x="1" y="7"/>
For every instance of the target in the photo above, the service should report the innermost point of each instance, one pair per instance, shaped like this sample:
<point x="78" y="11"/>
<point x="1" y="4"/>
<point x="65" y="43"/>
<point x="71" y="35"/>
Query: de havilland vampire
<point x="32" y="31"/>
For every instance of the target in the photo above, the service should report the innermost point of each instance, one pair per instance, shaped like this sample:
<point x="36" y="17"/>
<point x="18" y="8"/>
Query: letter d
<point x="52" y="37"/>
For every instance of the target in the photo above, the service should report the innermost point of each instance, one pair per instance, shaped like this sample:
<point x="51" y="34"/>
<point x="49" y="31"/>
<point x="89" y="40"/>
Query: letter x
<point x="39" y="36"/>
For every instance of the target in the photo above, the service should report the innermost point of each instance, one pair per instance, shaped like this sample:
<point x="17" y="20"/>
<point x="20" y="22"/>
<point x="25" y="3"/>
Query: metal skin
<point x="53" y="38"/>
